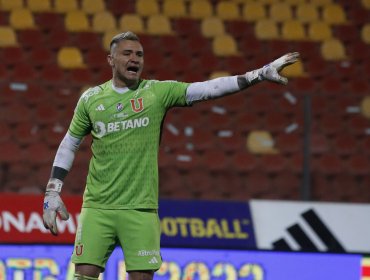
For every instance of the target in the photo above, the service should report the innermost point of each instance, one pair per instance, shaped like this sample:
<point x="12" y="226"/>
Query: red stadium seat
<point x="328" y="164"/>
<point x="359" y="164"/>
<point x="27" y="133"/>
<point x="244" y="162"/>
<point x="10" y="152"/>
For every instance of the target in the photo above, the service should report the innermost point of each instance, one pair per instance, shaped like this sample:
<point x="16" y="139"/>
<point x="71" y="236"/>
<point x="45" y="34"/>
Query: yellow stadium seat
<point x="39" y="5"/>
<point x="64" y="6"/>
<point x="69" y="58"/>
<point x="319" y="31"/>
<point x="224" y="45"/>
<point x="320" y="3"/>
<point x="227" y="10"/>
<point x="266" y="29"/>
<point x="159" y="25"/>
<point x="200" y="9"/>
<point x="293" y="30"/>
<point x="218" y="74"/>
<point x="174" y="8"/>
<point x="22" y="19"/>
<point x="365" y="107"/>
<point x="212" y="26"/>
<point x="333" y="50"/>
<point x="132" y="22"/>
<point x="107" y="37"/>
<point x="365" y="33"/>
<point x="295" y="2"/>
<point x="8" y="37"/>
<point x="93" y="6"/>
<point x="307" y="13"/>
<point x="147" y="7"/>
<point x="254" y="11"/>
<point x="365" y="4"/>
<point x="261" y="142"/>
<point x="295" y="70"/>
<point x="103" y="21"/>
<point x="281" y="11"/>
<point x="76" y="21"/>
<point x="8" y="5"/>
<point x="334" y="14"/>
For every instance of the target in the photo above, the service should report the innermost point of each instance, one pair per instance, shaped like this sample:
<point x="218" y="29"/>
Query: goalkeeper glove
<point x="270" y="72"/>
<point x="53" y="204"/>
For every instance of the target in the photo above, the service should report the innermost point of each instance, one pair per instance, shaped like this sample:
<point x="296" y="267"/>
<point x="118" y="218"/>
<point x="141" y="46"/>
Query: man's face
<point x="127" y="61"/>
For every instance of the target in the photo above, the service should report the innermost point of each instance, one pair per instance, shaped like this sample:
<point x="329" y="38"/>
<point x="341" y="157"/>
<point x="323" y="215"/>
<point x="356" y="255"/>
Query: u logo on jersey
<point x="79" y="249"/>
<point x="137" y="105"/>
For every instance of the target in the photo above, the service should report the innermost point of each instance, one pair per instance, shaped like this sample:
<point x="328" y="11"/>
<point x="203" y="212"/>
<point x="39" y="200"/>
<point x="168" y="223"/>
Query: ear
<point x="110" y="60"/>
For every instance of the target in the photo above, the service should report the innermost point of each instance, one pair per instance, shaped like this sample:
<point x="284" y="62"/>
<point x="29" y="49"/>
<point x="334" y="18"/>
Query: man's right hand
<point x="53" y="204"/>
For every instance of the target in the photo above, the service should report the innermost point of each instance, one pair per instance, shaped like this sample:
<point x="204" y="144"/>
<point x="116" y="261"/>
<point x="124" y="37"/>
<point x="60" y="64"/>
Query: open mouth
<point x="133" y="69"/>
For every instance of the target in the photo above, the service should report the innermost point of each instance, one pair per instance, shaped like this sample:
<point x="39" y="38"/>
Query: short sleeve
<point x="80" y="125"/>
<point x="172" y="93"/>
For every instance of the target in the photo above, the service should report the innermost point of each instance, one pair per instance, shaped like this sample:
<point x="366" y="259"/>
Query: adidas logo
<point x="153" y="260"/>
<point x="100" y="108"/>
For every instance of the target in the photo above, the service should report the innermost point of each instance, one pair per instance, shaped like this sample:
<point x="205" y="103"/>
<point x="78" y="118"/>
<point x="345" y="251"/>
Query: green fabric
<point x="137" y="231"/>
<point x="82" y="277"/>
<point x="123" y="171"/>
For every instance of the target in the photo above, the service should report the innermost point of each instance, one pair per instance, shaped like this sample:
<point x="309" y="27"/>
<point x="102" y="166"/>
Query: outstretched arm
<point x="228" y="85"/>
<point x="53" y="204"/>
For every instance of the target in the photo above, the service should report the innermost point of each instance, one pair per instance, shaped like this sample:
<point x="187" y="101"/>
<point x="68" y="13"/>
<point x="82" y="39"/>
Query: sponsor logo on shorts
<point x="153" y="260"/>
<point x="143" y="253"/>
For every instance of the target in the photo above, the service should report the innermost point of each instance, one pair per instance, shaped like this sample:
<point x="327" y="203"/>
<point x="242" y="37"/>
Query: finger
<point x="281" y="80"/>
<point x="64" y="215"/>
<point x="291" y="58"/>
<point x="50" y="221"/>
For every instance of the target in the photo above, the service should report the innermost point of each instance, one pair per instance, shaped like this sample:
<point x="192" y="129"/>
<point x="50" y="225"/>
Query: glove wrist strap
<point x="253" y="77"/>
<point x="55" y="185"/>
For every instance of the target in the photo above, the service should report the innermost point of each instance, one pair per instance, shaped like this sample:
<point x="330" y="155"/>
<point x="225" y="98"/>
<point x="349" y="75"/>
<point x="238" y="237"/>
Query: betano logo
<point x="102" y="129"/>
<point x="20" y="222"/>
<point x="210" y="228"/>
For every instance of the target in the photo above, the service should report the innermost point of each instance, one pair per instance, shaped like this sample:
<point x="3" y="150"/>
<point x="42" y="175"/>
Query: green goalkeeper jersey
<point x="126" y="128"/>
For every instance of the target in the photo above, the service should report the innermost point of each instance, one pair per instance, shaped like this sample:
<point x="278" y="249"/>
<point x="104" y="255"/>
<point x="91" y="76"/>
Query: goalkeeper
<point x="124" y="117"/>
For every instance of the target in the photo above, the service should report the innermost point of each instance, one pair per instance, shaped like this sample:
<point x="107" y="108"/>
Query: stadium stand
<point x="252" y="142"/>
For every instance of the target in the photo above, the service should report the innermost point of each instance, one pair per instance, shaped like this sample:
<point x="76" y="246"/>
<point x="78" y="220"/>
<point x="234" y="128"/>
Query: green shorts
<point x="136" y="231"/>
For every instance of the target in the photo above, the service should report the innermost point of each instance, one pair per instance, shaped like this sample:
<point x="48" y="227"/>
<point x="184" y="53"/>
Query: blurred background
<point x="305" y="141"/>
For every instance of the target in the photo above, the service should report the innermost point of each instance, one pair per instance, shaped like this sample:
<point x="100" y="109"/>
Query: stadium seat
<point x="266" y="29"/>
<point x="333" y="50"/>
<point x="93" y="39"/>
<point x="319" y="31"/>
<point x="93" y="6"/>
<point x="24" y="73"/>
<point x="12" y="56"/>
<point x="365" y="107"/>
<point x="37" y="6"/>
<point x="65" y="6"/>
<point x="174" y="8"/>
<point x="365" y="33"/>
<point x="42" y="56"/>
<point x="366" y="4"/>
<point x="212" y="27"/>
<point x="319" y="143"/>
<point x="131" y="22"/>
<point x="9" y="5"/>
<point x="261" y="142"/>
<point x="21" y="19"/>
<point x="6" y="132"/>
<point x="8" y="37"/>
<point x="147" y="7"/>
<point x="200" y="9"/>
<point x="76" y="21"/>
<point x="27" y="133"/>
<point x="345" y="144"/>
<point x="359" y="164"/>
<point x="31" y="38"/>
<point x="333" y="14"/>
<point x="119" y="7"/>
<point x="289" y="143"/>
<point x="273" y="164"/>
<point x="294" y="70"/>
<point x="50" y="22"/>
<point x="254" y="11"/>
<point x="10" y="152"/>
<point x="103" y="21"/>
<point x="70" y="57"/>
<point x="307" y="13"/>
<point x="328" y="164"/>
<point x="280" y="12"/>
<point x="293" y="30"/>
<point x="320" y="3"/>
<point x="227" y="10"/>
<point x="159" y="25"/>
<point x="225" y="45"/>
